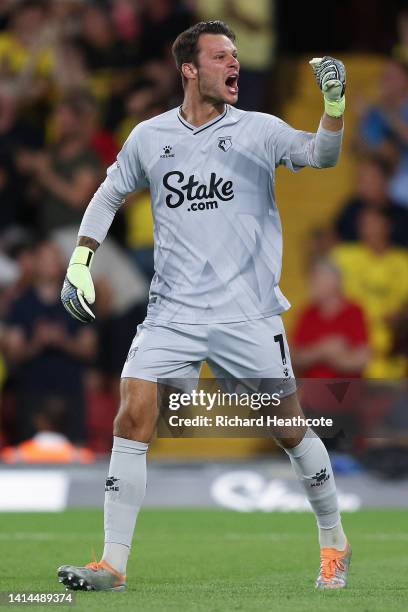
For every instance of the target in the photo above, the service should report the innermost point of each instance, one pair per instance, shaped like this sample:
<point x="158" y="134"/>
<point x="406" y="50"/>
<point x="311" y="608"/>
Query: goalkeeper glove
<point x="78" y="288"/>
<point x="330" y="75"/>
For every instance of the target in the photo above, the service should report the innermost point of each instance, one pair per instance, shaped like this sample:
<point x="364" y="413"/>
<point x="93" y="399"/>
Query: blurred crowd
<point x="356" y="323"/>
<point x="75" y="77"/>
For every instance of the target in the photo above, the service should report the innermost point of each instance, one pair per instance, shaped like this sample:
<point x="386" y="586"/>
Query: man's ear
<point x="189" y="71"/>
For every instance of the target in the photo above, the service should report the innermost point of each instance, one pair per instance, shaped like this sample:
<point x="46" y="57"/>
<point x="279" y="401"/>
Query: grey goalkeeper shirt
<point x="217" y="230"/>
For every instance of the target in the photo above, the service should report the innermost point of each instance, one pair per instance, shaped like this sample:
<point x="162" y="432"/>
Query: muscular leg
<point x="125" y="487"/>
<point x="137" y="414"/>
<point x="312" y="466"/>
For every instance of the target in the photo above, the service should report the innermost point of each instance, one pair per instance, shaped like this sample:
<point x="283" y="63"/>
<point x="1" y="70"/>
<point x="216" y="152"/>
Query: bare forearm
<point x="333" y="124"/>
<point x="85" y="241"/>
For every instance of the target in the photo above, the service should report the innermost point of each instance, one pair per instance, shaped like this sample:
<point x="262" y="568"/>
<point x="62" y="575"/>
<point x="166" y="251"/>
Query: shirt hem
<point x="234" y="319"/>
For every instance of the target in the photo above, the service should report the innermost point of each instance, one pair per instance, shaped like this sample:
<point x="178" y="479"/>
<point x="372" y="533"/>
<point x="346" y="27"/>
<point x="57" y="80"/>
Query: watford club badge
<point x="224" y="143"/>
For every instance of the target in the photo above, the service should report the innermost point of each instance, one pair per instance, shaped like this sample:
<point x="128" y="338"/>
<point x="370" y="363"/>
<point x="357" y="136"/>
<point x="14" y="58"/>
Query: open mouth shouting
<point x="232" y="83"/>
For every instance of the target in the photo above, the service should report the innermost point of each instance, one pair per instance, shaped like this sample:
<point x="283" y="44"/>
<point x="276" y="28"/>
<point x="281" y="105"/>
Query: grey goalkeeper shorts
<point x="255" y="349"/>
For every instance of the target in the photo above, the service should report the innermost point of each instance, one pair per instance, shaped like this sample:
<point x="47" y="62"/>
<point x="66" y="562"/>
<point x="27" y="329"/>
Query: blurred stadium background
<point x="75" y="77"/>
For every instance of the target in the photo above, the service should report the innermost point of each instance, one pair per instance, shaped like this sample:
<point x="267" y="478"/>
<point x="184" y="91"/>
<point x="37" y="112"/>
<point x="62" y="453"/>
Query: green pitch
<point x="213" y="561"/>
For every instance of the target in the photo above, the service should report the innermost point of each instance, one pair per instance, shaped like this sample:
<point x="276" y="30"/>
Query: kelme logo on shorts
<point x="199" y="196"/>
<point x="320" y="478"/>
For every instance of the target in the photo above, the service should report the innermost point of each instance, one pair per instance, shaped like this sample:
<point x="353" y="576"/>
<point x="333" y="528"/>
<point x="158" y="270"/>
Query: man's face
<point x="217" y="69"/>
<point x="325" y="283"/>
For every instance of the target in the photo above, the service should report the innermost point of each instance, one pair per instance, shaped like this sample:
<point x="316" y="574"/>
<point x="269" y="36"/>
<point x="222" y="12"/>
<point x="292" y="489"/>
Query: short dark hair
<point x="185" y="47"/>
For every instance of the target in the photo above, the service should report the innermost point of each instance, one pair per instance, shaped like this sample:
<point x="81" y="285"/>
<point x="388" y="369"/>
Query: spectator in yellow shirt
<point x="253" y="24"/>
<point x="376" y="275"/>
<point x="26" y="56"/>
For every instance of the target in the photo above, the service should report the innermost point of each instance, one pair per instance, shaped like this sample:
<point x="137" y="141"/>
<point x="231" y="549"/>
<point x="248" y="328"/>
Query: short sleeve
<point x="126" y="174"/>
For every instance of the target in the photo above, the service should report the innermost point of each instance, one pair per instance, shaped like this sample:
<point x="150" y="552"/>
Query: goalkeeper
<point x="79" y="290"/>
<point x="215" y="295"/>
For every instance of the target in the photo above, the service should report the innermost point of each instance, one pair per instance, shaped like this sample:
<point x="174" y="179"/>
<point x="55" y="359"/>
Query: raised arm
<point x="296" y="148"/>
<point x="330" y="75"/>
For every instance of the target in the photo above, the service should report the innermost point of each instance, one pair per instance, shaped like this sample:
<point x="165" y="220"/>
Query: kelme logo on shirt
<point x="167" y="151"/>
<point x="199" y="196"/>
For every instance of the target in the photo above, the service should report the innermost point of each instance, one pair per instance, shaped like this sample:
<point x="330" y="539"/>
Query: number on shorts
<point x="279" y="338"/>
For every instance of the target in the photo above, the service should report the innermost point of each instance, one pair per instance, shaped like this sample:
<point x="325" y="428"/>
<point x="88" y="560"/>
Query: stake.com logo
<point x="208" y="195"/>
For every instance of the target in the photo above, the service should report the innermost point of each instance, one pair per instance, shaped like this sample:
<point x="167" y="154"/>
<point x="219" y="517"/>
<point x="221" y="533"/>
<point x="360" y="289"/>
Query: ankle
<point x="333" y="537"/>
<point x="116" y="556"/>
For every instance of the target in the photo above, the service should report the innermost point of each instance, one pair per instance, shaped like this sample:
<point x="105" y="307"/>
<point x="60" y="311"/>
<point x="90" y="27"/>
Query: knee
<point x="290" y="442"/>
<point x="292" y="439"/>
<point x="134" y="420"/>
<point x="126" y="419"/>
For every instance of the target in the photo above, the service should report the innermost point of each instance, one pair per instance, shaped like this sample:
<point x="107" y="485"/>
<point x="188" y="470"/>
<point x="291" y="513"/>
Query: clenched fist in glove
<point x="78" y="289"/>
<point x="330" y="75"/>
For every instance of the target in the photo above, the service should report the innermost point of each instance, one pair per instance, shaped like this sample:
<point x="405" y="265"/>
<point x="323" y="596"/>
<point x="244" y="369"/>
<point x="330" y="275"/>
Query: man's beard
<point x="207" y="93"/>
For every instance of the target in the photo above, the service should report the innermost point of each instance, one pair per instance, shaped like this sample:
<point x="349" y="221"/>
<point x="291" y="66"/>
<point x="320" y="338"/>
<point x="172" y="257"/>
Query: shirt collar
<point x="196" y="130"/>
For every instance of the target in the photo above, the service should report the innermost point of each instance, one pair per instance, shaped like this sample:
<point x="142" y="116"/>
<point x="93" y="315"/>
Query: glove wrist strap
<point x="334" y="108"/>
<point x="82" y="255"/>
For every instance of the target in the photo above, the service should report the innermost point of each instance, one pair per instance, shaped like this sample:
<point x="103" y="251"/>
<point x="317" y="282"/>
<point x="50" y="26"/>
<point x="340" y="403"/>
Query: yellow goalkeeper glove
<point x="78" y="289"/>
<point x="330" y="75"/>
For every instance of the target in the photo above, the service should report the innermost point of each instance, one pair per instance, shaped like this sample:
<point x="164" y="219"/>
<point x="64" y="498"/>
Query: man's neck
<point x="197" y="112"/>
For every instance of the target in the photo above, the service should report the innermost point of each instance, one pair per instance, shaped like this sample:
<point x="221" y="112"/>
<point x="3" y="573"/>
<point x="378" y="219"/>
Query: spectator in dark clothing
<point x="372" y="192"/>
<point x="111" y="63"/>
<point x="101" y="141"/>
<point x="5" y="10"/>
<point x="384" y="128"/>
<point x="98" y="41"/>
<point x="162" y="22"/>
<point x="46" y="348"/>
<point x="68" y="174"/>
<point x="17" y="245"/>
<point x="15" y="133"/>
